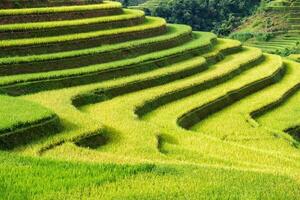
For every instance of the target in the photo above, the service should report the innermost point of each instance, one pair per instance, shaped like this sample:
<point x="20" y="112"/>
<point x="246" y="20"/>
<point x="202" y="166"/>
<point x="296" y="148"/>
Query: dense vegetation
<point x="220" y="17"/>
<point x="101" y="102"/>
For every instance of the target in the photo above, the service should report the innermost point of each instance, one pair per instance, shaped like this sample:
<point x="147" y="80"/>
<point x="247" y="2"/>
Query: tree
<point x="125" y="3"/>
<point x="218" y="16"/>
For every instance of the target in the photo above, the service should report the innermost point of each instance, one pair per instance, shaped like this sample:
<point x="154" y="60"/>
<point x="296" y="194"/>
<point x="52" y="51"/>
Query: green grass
<point x="87" y="126"/>
<point x="174" y="31"/>
<point x="197" y="118"/>
<point x="295" y="57"/>
<point x="127" y="15"/>
<point x="265" y="130"/>
<point x="201" y="40"/>
<point x="16" y="113"/>
<point x="162" y="75"/>
<point x="286" y="114"/>
<point x="283" y="118"/>
<point x="254" y="54"/>
<point x="27" y="11"/>
<point x="150" y="23"/>
<point x="117" y="114"/>
<point x="45" y="179"/>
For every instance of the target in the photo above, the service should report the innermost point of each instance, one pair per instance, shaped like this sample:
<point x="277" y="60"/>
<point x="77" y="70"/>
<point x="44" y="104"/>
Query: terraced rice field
<point x="288" y="42"/>
<point x="150" y="4"/>
<point x="113" y="104"/>
<point x="295" y="57"/>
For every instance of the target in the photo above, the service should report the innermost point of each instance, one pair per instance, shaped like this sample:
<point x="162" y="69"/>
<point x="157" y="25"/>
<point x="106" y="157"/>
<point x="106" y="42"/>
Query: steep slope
<point x="139" y="102"/>
<point x="281" y="35"/>
<point x="151" y="4"/>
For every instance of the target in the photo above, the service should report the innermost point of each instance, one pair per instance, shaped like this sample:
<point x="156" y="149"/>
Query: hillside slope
<point x="151" y="4"/>
<point x="141" y="109"/>
<point x="276" y="30"/>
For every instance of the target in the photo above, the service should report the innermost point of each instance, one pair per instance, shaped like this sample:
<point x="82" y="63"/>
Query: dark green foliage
<point x="287" y="51"/>
<point x="219" y="16"/>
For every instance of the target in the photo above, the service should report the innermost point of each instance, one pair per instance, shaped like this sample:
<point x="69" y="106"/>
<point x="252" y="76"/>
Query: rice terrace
<point x="101" y="101"/>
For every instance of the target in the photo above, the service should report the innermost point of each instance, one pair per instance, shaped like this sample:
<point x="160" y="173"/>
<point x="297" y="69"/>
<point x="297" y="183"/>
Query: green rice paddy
<point x="144" y="110"/>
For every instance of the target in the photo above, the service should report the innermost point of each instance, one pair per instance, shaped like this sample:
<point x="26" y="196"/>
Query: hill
<point x="101" y="102"/>
<point x="275" y="30"/>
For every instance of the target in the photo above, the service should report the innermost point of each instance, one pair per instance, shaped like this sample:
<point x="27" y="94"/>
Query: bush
<point x="244" y="36"/>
